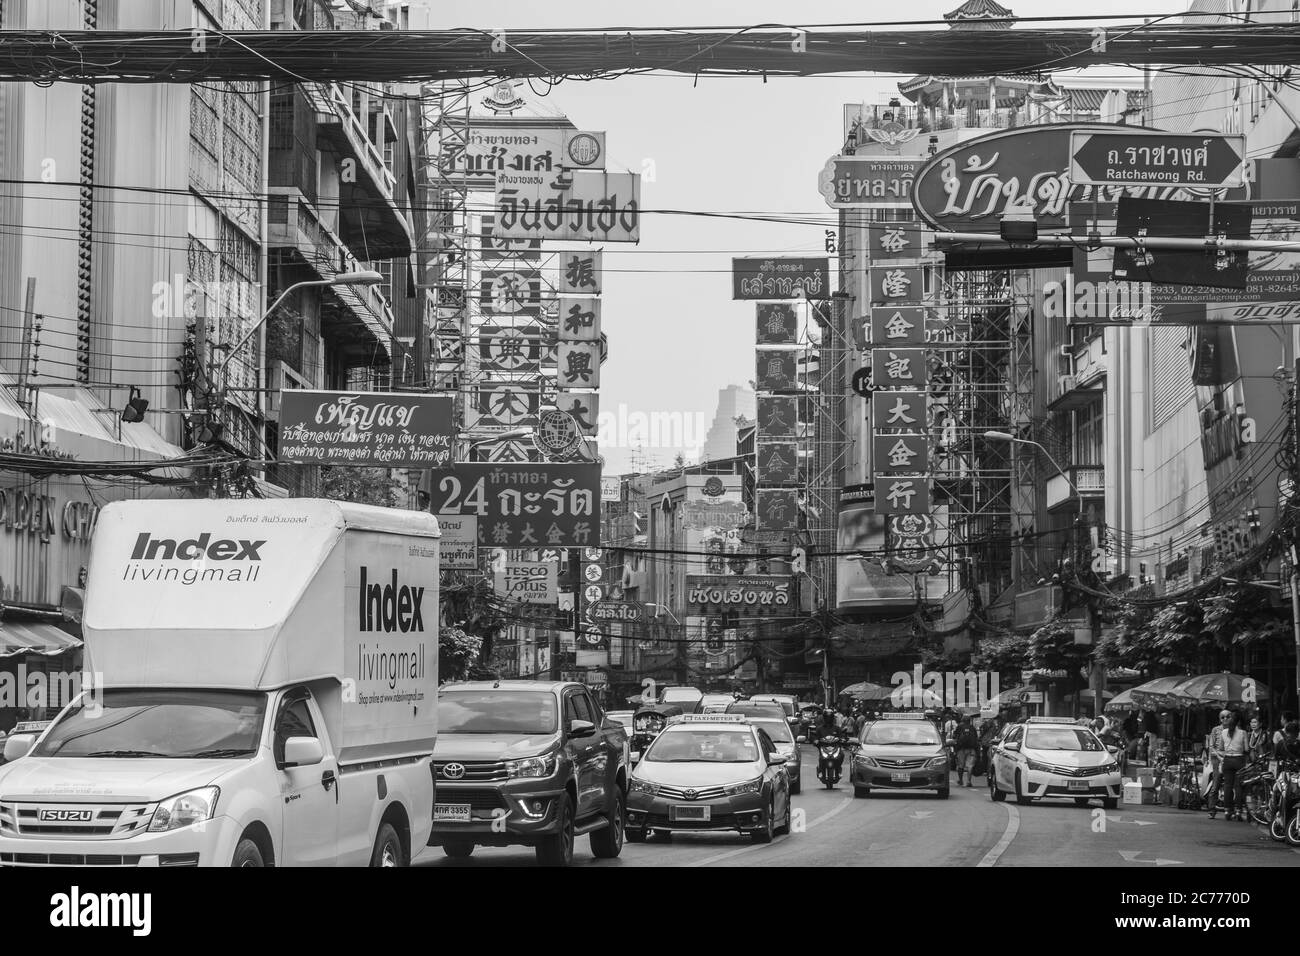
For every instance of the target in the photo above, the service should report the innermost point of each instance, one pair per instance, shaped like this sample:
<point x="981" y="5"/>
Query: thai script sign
<point x="580" y="205"/>
<point x="852" y="182"/>
<point x="519" y="154"/>
<point x="388" y="429"/>
<point x="621" y="611"/>
<point x="522" y="505"/>
<point x="1115" y="158"/>
<point x="780" y="278"/>
<point x="754" y="593"/>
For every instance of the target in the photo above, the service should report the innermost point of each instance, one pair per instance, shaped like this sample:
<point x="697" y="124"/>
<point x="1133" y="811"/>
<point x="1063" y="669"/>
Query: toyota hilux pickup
<point x="527" y="763"/>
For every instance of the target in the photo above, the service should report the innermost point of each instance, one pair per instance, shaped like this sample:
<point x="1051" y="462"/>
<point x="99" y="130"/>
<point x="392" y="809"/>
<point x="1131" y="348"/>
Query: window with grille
<point x="1170" y="377"/>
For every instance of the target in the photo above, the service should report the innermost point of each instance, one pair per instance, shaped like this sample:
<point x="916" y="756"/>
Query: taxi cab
<point x="1053" y="757"/>
<point x="900" y="752"/>
<point x="710" y="772"/>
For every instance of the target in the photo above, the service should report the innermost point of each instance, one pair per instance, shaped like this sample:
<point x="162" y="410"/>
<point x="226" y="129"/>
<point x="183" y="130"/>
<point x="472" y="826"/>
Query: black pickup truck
<point x="527" y="763"/>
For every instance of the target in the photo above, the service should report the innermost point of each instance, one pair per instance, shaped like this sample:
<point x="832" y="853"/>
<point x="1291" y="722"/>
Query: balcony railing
<point x="1089" y="479"/>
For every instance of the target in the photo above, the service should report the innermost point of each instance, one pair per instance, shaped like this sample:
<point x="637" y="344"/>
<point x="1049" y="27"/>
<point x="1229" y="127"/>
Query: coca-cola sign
<point x="387" y="429"/>
<point x="970" y="186"/>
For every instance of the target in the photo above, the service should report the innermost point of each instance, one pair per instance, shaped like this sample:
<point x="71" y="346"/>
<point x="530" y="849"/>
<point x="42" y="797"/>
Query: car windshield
<point x="623" y="717"/>
<point x="778" y="730"/>
<point x="677" y="695"/>
<point x="704" y="746"/>
<point x="785" y="705"/>
<point x="757" y="709"/>
<point x="888" y="732"/>
<point x="159" y="723"/>
<point x="1062" y="738"/>
<point x="496" y="712"/>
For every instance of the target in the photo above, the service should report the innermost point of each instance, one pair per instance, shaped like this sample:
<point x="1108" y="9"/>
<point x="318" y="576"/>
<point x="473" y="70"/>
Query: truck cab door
<point x="586" y="753"/>
<point x="310" y="792"/>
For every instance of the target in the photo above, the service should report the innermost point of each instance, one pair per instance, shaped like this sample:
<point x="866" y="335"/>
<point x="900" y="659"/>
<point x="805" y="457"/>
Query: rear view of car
<point x="900" y="752"/>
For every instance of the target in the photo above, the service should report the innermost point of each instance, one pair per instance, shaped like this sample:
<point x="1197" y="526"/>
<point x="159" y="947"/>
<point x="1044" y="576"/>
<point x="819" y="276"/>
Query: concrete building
<point x="733" y="401"/>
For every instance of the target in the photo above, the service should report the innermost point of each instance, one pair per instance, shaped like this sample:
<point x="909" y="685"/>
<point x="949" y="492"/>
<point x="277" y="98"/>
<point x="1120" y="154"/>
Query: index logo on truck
<point x="390" y="607"/>
<point x="149" y="548"/>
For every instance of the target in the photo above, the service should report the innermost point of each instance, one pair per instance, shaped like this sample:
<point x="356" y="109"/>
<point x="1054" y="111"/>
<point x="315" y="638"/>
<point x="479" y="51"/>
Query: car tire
<point x="388" y="848"/>
<point x="862" y="792"/>
<point x="796" y="784"/>
<point x="996" y="795"/>
<point x="942" y="794"/>
<point x="460" y="850"/>
<point x="247" y="853"/>
<point x="607" y="843"/>
<point x="556" y="849"/>
<point x="765" y="835"/>
<point x="1081" y="801"/>
<point x="635" y="834"/>
<point x="1110" y="803"/>
<point x="784" y="828"/>
<point x="1021" y="799"/>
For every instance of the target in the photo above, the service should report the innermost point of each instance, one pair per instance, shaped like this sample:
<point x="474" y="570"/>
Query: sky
<point x="722" y="144"/>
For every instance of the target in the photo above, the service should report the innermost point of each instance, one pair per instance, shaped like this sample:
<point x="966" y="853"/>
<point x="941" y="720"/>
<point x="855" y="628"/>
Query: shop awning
<point x="24" y="638"/>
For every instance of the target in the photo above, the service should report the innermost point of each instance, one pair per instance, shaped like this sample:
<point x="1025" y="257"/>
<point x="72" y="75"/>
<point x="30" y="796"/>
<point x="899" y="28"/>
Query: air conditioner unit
<point x="281" y="377"/>
<point x="1066" y="383"/>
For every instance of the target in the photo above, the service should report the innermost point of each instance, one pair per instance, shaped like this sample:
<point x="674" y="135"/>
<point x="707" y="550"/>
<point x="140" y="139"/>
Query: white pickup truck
<point x="262" y="692"/>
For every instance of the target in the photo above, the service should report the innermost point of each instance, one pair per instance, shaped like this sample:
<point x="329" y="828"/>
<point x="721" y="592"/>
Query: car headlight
<point x="749" y="786"/>
<point x="643" y="786"/>
<point x="184" y="809"/>
<point x="934" y="763"/>
<point x="865" y="761"/>
<point x="1111" y="767"/>
<point x="542" y="766"/>
<point x="1039" y="765"/>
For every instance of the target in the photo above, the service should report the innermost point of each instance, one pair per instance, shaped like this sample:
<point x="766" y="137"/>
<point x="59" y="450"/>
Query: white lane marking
<point x="1013" y="827"/>
<point x="847" y="801"/>
<point x="1131" y="856"/>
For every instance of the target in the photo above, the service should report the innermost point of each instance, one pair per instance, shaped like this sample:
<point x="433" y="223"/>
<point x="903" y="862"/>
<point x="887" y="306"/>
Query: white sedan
<point x="1054" y="758"/>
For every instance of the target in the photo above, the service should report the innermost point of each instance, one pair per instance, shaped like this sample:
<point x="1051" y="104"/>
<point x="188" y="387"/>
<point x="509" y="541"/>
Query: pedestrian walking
<point x="1232" y="743"/>
<point x="965" y="741"/>
<point x="1257" y="742"/>
<point x="1214" y="761"/>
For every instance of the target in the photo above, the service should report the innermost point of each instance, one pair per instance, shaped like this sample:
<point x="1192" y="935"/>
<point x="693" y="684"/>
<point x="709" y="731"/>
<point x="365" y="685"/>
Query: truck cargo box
<point x="261" y="594"/>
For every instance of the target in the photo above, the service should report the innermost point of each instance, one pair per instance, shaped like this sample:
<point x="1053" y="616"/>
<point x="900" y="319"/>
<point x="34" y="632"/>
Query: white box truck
<point x="262" y="681"/>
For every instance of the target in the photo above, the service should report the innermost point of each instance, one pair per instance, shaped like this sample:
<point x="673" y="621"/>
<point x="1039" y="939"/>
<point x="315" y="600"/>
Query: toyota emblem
<point x="453" y="771"/>
<point x="691" y="794"/>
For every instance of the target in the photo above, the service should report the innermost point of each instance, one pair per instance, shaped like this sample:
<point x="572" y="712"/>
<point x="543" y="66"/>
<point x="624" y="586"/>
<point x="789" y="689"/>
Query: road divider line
<point x="844" y="804"/>
<point x="1013" y="827"/>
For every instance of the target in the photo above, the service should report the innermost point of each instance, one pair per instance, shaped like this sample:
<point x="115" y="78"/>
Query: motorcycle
<point x="1284" y="825"/>
<point x="830" y="756"/>
<point x="1257" y="782"/>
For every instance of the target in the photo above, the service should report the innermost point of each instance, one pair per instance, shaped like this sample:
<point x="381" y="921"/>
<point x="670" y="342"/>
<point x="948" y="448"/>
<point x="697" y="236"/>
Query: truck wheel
<point x="388" y="848"/>
<point x="247" y="854"/>
<point x="557" y="848"/>
<point x="608" y="843"/>
<point x="458" y="851"/>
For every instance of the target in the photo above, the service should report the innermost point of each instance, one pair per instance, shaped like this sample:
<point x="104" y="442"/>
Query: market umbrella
<point x="914" y="696"/>
<point x="865" y="690"/>
<point x="1222" y="689"/>
<point x="1159" y="694"/>
<point x="1121" y="703"/>
<point x="1010" y="697"/>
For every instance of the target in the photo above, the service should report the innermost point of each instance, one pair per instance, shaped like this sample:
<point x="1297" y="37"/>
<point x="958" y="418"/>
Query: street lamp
<point x="362" y="277"/>
<point x="1008" y="437"/>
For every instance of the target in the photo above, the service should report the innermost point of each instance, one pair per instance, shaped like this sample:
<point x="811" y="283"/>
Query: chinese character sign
<point x="510" y="292"/>
<point x="776" y="371"/>
<point x="894" y="284"/>
<point x="898" y="368"/>
<point x="896" y="326"/>
<point x="522" y="505"/>
<point x="582" y="407"/>
<point x="778" y="463"/>
<point x="898" y="410"/>
<point x="778" y="510"/>
<point x="509" y="348"/>
<point x="579" y="320"/>
<point x="580" y="273"/>
<point x="778" y="416"/>
<point x="900" y="496"/>
<point x="777" y="324"/>
<point x="579" y="365"/>
<point x="896" y="240"/>
<point x="901" y="454"/>
<point x="494" y="247"/>
<point x="504" y="406"/>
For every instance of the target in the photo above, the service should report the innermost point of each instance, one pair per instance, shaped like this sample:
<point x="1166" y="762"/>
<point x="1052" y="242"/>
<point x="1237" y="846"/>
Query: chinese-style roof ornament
<point x="980" y="15"/>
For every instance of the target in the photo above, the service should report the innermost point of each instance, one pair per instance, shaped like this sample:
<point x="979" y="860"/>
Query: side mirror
<point x="801" y="739"/>
<point x="581" y="728"/>
<point x="1113" y="749"/>
<point x="774" y="759"/>
<point x="19" y="745"/>
<point x="635" y="757"/>
<point x="303" y="752"/>
<point x="1011" y="746"/>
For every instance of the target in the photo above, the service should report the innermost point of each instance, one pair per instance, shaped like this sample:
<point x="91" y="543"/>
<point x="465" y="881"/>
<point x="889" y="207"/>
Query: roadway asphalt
<point x="831" y="828"/>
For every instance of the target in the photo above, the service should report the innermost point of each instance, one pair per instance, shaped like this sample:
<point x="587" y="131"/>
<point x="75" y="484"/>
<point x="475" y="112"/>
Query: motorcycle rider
<point x="832" y="737"/>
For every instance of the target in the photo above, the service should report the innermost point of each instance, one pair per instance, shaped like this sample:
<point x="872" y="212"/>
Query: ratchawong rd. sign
<point x="522" y="504"/>
<point x="1131" y="158"/>
<point x="746" y="594"/>
<point x="385" y="429"/>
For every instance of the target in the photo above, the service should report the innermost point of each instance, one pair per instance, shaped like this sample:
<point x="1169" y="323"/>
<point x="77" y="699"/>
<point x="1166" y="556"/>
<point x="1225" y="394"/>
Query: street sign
<point x="620" y="611"/>
<point x="387" y="429"/>
<point x="1123" y="158"/>
<point x="458" y="546"/>
<point x="897" y="326"/>
<point x="524" y="505"/>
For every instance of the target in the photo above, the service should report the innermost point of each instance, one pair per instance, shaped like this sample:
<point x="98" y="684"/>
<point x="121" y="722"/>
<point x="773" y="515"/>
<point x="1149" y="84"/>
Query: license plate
<point x="898" y="777"/>
<point x="689" y="813"/>
<point x="1078" y="784"/>
<point x="451" y="813"/>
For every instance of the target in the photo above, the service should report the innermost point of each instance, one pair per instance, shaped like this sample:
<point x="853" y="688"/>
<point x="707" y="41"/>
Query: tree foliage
<point x="457" y="653"/>
<point x="367" y="486"/>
